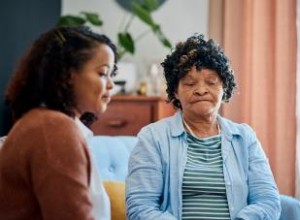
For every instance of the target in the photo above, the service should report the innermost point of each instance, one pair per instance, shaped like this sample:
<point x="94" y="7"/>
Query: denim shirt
<point x="156" y="166"/>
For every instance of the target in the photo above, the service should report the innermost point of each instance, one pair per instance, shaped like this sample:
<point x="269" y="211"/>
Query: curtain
<point x="298" y="104"/>
<point x="260" y="39"/>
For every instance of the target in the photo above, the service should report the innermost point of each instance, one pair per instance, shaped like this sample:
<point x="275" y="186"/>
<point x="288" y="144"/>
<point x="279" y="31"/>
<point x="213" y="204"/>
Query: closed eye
<point x="211" y="82"/>
<point x="101" y="74"/>
<point x="189" y="84"/>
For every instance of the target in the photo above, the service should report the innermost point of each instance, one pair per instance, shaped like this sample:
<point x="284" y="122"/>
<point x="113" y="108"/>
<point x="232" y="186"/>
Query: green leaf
<point x="155" y="28"/>
<point x="162" y="38"/>
<point x="166" y="42"/>
<point x="126" y="41"/>
<point x="150" y="5"/>
<point x="93" y="18"/>
<point x="142" y="14"/>
<point x="71" y="20"/>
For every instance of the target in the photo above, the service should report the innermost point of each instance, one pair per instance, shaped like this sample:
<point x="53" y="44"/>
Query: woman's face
<point x="92" y="83"/>
<point x="200" y="92"/>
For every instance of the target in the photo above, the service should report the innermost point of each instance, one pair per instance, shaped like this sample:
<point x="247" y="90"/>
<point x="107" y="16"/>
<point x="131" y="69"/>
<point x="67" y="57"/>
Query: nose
<point x="200" y="90"/>
<point x="109" y="83"/>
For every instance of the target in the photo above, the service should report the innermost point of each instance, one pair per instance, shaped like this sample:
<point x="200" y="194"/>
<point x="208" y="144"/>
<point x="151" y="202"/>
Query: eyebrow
<point x="105" y="65"/>
<point x="213" y="75"/>
<point x="188" y="77"/>
<point x="109" y="68"/>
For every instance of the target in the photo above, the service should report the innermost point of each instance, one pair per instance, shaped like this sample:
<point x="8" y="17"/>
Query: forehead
<point x="104" y="52"/>
<point x="194" y="73"/>
<point x="100" y="56"/>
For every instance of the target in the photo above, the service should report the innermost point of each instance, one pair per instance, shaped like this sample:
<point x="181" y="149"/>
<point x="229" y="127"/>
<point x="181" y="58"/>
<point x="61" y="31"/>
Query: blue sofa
<point x="112" y="154"/>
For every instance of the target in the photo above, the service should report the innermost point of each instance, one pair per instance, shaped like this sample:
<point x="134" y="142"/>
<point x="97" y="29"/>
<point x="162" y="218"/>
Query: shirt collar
<point x="225" y="126"/>
<point x="84" y="129"/>
<point x="177" y="124"/>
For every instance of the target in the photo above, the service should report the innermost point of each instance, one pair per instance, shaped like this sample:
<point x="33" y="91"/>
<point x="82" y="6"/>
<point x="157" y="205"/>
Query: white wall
<point x="178" y="19"/>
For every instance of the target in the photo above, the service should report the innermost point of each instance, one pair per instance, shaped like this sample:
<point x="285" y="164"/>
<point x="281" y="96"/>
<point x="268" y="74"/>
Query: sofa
<point x="112" y="154"/>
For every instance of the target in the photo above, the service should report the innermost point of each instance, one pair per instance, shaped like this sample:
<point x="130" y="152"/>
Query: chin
<point x="102" y="109"/>
<point x="203" y="111"/>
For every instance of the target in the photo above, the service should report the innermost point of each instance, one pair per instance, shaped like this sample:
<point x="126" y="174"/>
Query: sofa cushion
<point x="116" y="193"/>
<point x="112" y="155"/>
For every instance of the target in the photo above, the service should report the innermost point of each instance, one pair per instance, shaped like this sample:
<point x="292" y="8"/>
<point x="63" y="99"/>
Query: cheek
<point x="183" y="92"/>
<point x="101" y="86"/>
<point x="220" y="94"/>
<point x="98" y="87"/>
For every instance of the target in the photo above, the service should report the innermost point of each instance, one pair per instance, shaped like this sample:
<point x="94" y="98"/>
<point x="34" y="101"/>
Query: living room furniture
<point x="129" y="113"/>
<point x="112" y="154"/>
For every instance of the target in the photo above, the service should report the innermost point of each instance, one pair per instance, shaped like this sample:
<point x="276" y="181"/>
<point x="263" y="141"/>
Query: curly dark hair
<point x="198" y="52"/>
<point x="43" y="74"/>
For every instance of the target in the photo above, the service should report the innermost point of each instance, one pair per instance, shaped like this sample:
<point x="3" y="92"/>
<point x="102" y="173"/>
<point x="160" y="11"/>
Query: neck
<point x="202" y="128"/>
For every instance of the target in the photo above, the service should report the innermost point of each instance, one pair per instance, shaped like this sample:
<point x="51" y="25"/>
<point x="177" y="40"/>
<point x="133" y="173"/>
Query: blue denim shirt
<point x="156" y="166"/>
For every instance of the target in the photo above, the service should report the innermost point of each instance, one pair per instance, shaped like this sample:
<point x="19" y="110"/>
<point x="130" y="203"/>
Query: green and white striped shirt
<point x="203" y="188"/>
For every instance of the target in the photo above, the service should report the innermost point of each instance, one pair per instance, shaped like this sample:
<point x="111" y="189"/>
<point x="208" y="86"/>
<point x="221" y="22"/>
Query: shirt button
<point x="111" y="169"/>
<point x="232" y="208"/>
<point x="228" y="183"/>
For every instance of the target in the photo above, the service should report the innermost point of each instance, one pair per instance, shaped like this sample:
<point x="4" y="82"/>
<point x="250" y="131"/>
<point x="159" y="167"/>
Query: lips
<point x="200" y="100"/>
<point x="106" y="98"/>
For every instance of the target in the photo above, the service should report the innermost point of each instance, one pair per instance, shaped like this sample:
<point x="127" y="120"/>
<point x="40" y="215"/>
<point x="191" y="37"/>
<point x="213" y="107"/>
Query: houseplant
<point x="126" y="41"/>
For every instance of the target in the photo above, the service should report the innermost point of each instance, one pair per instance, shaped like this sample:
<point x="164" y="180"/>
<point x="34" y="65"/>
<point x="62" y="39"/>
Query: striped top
<point x="203" y="187"/>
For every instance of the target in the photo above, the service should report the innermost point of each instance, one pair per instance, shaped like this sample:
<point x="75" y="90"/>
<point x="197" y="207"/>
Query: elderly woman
<point x="46" y="171"/>
<point x="197" y="164"/>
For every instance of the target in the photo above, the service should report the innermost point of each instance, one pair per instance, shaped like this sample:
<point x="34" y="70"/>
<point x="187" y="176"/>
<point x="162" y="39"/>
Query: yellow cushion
<point x="116" y="193"/>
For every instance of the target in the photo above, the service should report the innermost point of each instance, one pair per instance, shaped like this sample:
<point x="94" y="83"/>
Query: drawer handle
<point x="117" y="123"/>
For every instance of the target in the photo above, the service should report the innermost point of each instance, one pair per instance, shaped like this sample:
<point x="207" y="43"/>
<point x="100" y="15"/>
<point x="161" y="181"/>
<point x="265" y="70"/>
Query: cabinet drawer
<point x="123" y="118"/>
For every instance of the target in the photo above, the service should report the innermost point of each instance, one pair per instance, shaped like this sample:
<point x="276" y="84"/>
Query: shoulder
<point x="41" y="119"/>
<point x="47" y="128"/>
<point x="233" y="128"/>
<point x="51" y="117"/>
<point x="161" y="127"/>
<point x="46" y="138"/>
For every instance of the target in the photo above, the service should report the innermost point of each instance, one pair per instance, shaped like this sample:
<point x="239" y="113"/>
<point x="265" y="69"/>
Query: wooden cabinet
<point x="126" y="115"/>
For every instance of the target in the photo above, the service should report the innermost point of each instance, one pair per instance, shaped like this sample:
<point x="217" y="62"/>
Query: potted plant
<point x="126" y="41"/>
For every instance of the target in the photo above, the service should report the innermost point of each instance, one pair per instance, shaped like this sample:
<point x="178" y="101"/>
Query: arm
<point x="145" y="181"/>
<point x="263" y="195"/>
<point x="60" y="169"/>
